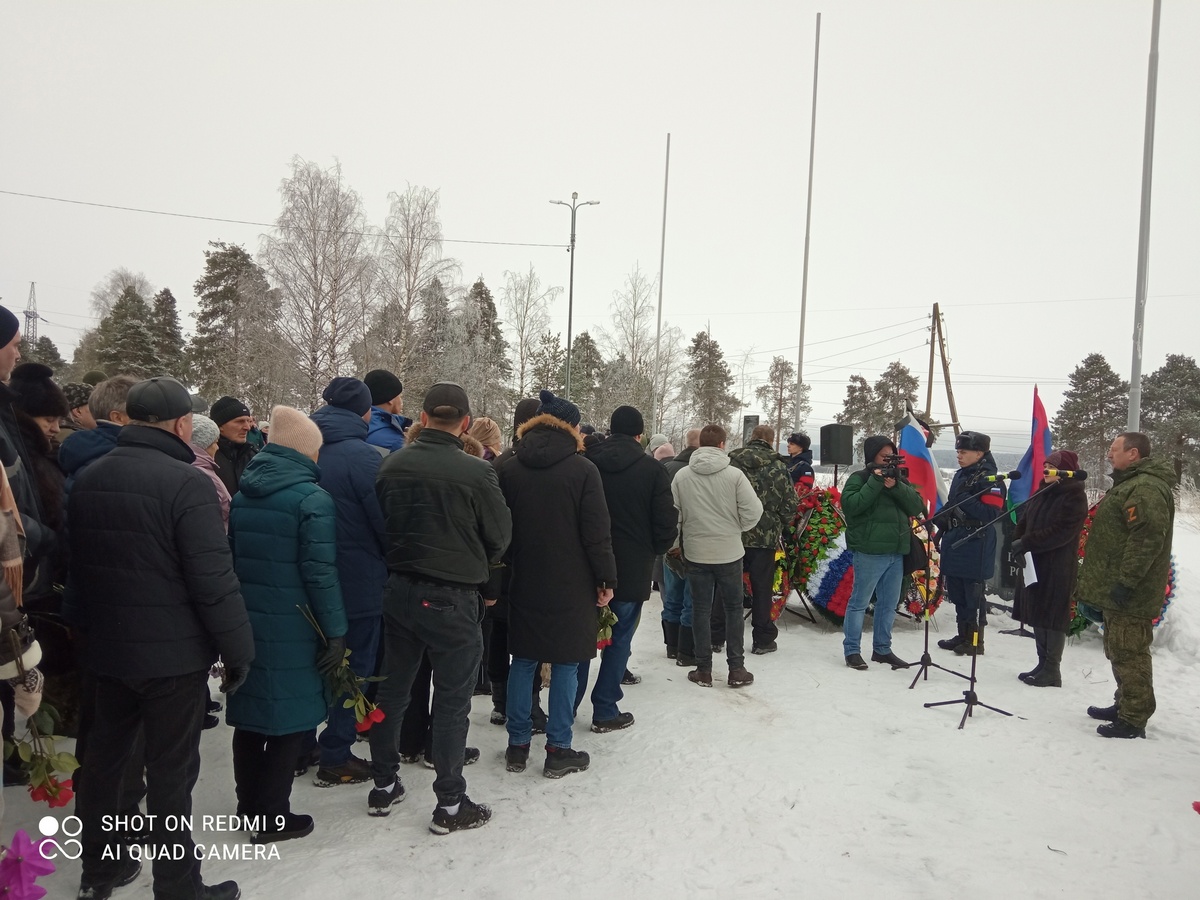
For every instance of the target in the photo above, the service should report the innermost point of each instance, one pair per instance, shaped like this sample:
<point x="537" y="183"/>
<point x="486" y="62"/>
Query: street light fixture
<point x="574" y="205"/>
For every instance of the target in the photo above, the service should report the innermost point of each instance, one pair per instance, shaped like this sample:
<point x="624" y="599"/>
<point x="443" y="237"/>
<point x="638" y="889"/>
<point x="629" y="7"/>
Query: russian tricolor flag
<point x="923" y="471"/>
<point x="1034" y="460"/>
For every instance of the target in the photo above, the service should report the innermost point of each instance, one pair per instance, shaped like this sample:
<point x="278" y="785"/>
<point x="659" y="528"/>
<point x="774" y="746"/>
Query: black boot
<point x="954" y="642"/>
<point x="972" y="644"/>
<point x="687" y="647"/>
<point x="1051" y="674"/>
<point x="499" y="703"/>
<point x="1039" y="638"/>
<point x="671" y="638"/>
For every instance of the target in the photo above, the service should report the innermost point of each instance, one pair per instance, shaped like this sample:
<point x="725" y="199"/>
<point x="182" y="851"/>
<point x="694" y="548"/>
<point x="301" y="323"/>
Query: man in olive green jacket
<point x="1124" y="574"/>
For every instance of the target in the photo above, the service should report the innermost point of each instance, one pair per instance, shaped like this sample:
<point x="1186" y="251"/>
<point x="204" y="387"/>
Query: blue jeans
<point x="563" y="678"/>
<point x="362" y="640"/>
<point x="717" y="586"/>
<point x="444" y="622"/>
<point x="676" y="598"/>
<point x="879" y="574"/>
<point x="614" y="658"/>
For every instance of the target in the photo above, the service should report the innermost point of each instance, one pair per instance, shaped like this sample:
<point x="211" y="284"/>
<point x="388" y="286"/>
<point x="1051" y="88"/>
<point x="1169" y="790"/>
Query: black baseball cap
<point x="158" y="400"/>
<point x="447" y="393"/>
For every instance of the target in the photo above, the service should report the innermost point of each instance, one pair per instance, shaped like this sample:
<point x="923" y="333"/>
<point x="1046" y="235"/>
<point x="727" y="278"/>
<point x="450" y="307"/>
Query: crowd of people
<point x="426" y="554"/>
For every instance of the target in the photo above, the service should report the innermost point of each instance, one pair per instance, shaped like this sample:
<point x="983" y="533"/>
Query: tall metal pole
<point x="662" y="256"/>
<point x="574" y="205"/>
<point x="812" y="143"/>
<point x="1143" y="261"/>
<point x="932" y="344"/>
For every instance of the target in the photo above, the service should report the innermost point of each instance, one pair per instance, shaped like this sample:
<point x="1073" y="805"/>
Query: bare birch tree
<point x="317" y="259"/>
<point x="630" y="342"/>
<point x="528" y="315"/>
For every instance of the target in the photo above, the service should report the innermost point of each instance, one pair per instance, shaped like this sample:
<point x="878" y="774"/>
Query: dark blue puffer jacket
<point x="349" y="466"/>
<point x="85" y="447"/>
<point x="282" y="529"/>
<point x="981" y="502"/>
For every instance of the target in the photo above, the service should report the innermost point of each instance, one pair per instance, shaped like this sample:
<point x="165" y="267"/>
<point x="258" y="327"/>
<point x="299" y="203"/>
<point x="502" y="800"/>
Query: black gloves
<point x="1018" y="547"/>
<point x="234" y="678"/>
<point x="1120" y="595"/>
<point x="331" y="656"/>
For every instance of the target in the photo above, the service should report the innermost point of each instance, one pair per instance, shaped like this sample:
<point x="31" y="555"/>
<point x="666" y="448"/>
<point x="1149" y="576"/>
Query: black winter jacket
<point x="679" y="462"/>
<point x="562" y="544"/>
<point x="231" y="459"/>
<point x="446" y="518"/>
<point x="1049" y="525"/>
<point x="644" y="519"/>
<point x="151" y="574"/>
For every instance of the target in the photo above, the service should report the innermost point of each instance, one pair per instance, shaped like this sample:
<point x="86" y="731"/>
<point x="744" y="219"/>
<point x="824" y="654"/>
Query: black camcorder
<point x="892" y="467"/>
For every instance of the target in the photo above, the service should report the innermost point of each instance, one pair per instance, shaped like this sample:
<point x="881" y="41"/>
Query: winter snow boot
<point x="629" y="678"/>
<point x="1039" y="638"/>
<point x="972" y="645"/>
<point x="671" y="638"/>
<point x="687" y="647"/>
<point x="954" y="642"/>
<point x="1119" y="729"/>
<point x="354" y="770"/>
<point x="562" y="761"/>
<point x="1103" y="713"/>
<point x="740" y="678"/>
<point x="700" y="677"/>
<point x="537" y="716"/>
<point x="1051" y="674"/>
<point x="294" y="826"/>
<point x="469" y="815"/>
<point x="516" y="757"/>
<point x="381" y="800"/>
<point x="499" y="703"/>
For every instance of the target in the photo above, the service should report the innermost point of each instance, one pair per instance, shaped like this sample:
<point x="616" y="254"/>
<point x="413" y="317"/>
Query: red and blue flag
<point x="1034" y="460"/>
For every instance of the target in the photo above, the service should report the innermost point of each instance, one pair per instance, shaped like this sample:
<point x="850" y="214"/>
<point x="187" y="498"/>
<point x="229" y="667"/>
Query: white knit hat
<point x="292" y="428"/>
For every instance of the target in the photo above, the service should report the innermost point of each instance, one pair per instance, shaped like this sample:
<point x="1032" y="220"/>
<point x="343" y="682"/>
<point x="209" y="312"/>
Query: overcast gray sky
<point x="985" y="155"/>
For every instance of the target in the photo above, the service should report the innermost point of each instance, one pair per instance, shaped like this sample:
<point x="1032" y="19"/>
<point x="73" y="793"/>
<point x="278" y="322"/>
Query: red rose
<point x="375" y="715"/>
<point x="364" y="725"/>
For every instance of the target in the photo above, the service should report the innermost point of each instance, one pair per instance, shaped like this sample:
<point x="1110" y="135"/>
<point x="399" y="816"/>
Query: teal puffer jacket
<point x="282" y="529"/>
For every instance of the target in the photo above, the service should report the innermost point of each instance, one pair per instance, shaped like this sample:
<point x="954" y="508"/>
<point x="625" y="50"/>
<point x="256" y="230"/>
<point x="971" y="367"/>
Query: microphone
<point x="1014" y="475"/>
<point x="1067" y="473"/>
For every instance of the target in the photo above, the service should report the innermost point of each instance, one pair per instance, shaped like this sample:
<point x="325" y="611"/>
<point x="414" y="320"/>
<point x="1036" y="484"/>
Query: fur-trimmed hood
<point x="545" y="440"/>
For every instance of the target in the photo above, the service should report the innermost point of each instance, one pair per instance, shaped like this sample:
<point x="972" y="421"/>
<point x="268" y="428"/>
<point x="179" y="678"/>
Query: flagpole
<point x="662" y="256"/>
<point x="1143" y="261"/>
<point x="812" y="143"/>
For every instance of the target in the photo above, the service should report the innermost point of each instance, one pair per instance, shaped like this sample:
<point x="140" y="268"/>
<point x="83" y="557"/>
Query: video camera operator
<point x="967" y="566"/>
<point x="878" y="503"/>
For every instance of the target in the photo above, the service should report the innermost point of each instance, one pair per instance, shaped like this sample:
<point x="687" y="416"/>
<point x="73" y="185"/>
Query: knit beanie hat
<point x="292" y="428"/>
<point x="94" y="377"/>
<point x="204" y="431"/>
<point x="656" y="441"/>
<point x="627" y="420"/>
<point x="228" y="408"/>
<point x="9" y="326"/>
<point x="36" y="393"/>
<point x="487" y="432"/>
<point x="666" y="451"/>
<point x="77" y="393"/>
<point x="348" y="393"/>
<point x="1063" y="459"/>
<point x="384" y="386"/>
<point x="558" y="407"/>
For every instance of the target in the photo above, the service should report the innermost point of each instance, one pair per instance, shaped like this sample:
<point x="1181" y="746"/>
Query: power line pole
<point x="941" y="335"/>
<point x="812" y="143"/>
<point x="932" y="345"/>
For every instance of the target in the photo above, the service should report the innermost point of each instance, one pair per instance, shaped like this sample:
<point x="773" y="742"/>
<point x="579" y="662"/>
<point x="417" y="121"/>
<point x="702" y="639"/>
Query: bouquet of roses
<point x="608" y="619"/>
<point x="344" y="682"/>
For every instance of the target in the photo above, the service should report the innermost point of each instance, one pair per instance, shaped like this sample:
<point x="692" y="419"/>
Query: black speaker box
<point x="837" y="445"/>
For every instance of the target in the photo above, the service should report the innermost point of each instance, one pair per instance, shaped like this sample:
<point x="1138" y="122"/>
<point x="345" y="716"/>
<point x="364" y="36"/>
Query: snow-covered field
<point x="817" y="781"/>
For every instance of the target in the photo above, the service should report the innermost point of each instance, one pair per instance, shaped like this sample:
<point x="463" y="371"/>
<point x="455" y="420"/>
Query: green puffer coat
<point x="877" y="517"/>
<point x="1129" y="542"/>
<point x="282" y="530"/>
<point x="769" y="477"/>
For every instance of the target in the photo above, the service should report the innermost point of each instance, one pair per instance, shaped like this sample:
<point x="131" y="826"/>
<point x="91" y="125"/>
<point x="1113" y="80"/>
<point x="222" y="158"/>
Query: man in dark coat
<point x="968" y="556"/>
<point x="675" y="593"/>
<point x="349" y="467"/>
<point x="1048" y="527"/>
<point x="768" y="476"/>
<point x="637" y="490"/>
<point x="107" y="406"/>
<point x="1125" y="569"/>
<point x="151" y="576"/>
<point x="446" y="526"/>
<point x="799" y="462"/>
<point x="562" y="569"/>
<point x="234" y="450"/>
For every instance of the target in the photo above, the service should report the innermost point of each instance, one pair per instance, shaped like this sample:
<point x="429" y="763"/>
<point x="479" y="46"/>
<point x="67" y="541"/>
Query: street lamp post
<point x="574" y="205"/>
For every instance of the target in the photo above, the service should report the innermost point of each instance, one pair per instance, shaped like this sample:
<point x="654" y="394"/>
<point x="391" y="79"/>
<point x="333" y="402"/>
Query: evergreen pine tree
<point x="896" y="387"/>
<point x="1093" y="412"/>
<point x="861" y="409"/>
<point x="486" y="370"/>
<point x="168" y="336"/>
<point x="44" y="351"/>
<point x="549" y="364"/>
<point x="709" y="381"/>
<point x="778" y="397"/>
<point x="1171" y="414"/>
<point x="587" y="366"/>
<point x="125" y="339"/>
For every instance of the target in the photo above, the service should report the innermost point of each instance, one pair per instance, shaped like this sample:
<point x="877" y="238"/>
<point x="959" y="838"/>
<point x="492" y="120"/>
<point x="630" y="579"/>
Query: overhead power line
<point x="178" y="215"/>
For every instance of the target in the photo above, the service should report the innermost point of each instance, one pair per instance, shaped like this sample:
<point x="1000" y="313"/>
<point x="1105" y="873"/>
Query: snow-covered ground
<point x="817" y="781"/>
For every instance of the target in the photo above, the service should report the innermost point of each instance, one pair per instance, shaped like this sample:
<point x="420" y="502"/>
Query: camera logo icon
<point x="70" y="829"/>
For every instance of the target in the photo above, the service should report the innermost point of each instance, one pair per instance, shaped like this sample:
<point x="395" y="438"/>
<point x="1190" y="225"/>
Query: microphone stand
<point x="927" y="662"/>
<point x="970" y="697"/>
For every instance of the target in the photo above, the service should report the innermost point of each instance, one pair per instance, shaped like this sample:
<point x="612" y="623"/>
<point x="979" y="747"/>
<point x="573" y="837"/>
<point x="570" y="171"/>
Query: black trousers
<point x="262" y="771"/>
<point x="134" y="784"/>
<point x="170" y="714"/>
<point x="759" y="563"/>
<point x="416" y="728"/>
<point x="498" y="659"/>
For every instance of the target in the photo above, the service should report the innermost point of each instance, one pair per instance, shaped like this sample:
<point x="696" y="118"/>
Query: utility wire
<point x="177" y="215"/>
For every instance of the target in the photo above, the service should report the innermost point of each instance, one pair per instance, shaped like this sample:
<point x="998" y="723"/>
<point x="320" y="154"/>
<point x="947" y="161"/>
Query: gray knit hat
<point x="204" y="431"/>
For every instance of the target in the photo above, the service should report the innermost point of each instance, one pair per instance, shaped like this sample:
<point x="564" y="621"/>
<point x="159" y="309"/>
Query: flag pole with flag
<point x="923" y="471"/>
<point x="1034" y="460"/>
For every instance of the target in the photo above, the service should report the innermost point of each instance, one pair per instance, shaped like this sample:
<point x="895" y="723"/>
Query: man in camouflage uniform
<point x="768" y="476"/>
<point x="1124" y="573"/>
